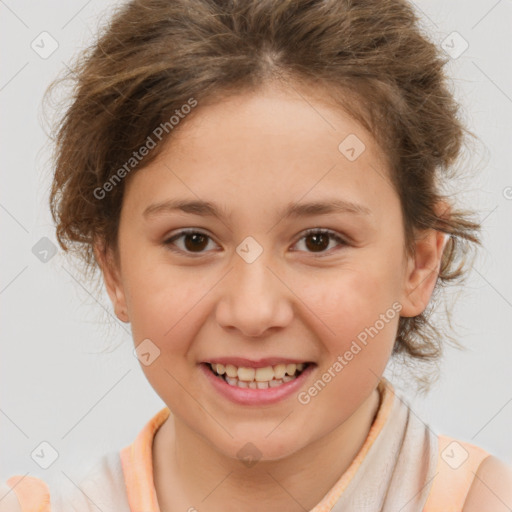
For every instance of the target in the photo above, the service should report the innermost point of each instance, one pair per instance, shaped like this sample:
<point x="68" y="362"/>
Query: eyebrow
<point x="294" y="209"/>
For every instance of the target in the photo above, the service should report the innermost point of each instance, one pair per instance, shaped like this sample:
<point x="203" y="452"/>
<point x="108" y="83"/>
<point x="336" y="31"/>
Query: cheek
<point x="357" y="321"/>
<point x="164" y="301"/>
<point x="356" y="304"/>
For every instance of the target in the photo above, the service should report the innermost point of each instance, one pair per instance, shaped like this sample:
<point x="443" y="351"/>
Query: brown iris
<point x="198" y="241"/>
<point x="320" y="241"/>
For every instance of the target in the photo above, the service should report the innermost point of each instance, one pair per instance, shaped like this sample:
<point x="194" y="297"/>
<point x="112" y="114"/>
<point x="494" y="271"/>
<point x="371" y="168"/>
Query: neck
<point x="189" y="472"/>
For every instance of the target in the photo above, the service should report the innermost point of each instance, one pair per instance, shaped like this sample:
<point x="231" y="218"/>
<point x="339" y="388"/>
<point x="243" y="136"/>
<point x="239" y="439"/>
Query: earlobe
<point x="112" y="281"/>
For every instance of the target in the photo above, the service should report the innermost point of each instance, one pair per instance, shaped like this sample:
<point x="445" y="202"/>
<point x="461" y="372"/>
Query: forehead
<point x="290" y="118"/>
<point x="272" y="145"/>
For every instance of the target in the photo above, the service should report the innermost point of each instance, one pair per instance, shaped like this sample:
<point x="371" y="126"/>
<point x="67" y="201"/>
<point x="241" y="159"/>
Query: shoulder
<point x="491" y="489"/>
<point x="22" y="493"/>
<point x="101" y="487"/>
<point x="8" y="500"/>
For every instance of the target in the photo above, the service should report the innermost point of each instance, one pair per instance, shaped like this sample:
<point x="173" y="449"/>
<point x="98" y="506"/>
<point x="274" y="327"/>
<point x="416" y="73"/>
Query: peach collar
<point x="137" y="463"/>
<point x="137" y="458"/>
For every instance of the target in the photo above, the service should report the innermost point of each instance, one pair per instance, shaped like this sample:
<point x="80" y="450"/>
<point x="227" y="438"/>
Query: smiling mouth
<point x="257" y="378"/>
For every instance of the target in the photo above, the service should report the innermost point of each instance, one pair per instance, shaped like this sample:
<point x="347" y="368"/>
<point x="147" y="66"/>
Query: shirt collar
<point x="137" y="458"/>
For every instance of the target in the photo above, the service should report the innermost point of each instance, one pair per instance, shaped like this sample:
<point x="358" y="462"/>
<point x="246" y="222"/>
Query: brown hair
<point x="369" y="55"/>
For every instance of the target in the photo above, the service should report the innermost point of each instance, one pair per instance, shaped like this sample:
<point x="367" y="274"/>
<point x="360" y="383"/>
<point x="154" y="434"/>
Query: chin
<point x="259" y="448"/>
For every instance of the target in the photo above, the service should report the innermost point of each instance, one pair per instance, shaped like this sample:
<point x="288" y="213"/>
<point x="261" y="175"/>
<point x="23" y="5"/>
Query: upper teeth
<point x="258" y="374"/>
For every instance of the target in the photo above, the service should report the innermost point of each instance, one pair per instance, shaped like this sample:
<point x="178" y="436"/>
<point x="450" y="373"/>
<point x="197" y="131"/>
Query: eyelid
<point x="334" y="235"/>
<point x="179" y="234"/>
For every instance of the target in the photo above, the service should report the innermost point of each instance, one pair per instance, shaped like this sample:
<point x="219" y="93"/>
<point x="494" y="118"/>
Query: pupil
<point x="319" y="238"/>
<point x="195" y="237"/>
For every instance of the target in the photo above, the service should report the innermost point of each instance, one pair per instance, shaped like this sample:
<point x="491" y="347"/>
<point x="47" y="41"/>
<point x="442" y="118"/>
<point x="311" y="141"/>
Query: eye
<point x="320" y="239"/>
<point x="194" y="241"/>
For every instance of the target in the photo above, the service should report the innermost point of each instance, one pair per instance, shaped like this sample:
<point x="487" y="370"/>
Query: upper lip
<point x="254" y="363"/>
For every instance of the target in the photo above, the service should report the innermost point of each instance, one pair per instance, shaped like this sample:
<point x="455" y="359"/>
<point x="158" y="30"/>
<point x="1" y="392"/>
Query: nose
<point x="254" y="299"/>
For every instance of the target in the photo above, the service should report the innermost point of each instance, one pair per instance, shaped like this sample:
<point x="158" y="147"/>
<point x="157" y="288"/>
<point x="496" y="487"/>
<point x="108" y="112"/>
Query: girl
<point x="259" y="183"/>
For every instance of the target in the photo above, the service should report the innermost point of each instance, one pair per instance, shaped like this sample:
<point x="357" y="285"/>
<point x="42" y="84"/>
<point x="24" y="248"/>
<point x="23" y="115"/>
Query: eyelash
<point x="314" y="231"/>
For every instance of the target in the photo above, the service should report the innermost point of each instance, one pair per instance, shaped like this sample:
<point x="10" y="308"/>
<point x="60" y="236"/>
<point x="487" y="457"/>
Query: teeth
<point x="231" y="371"/>
<point x="264" y="374"/>
<point x="290" y="368"/>
<point x="258" y="378"/>
<point x="279" y="371"/>
<point x="246" y="374"/>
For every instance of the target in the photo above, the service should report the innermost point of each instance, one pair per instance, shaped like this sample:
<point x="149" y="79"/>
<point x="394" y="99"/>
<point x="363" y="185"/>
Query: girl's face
<point x="252" y="283"/>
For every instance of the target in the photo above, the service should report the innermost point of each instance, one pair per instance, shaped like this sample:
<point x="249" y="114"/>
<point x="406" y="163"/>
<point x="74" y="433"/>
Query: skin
<point x="253" y="154"/>
<point x="491" y="489"/>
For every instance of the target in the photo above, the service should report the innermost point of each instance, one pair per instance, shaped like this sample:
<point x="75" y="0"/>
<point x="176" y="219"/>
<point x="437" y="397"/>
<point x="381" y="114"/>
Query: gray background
<point x="56" y="384"/>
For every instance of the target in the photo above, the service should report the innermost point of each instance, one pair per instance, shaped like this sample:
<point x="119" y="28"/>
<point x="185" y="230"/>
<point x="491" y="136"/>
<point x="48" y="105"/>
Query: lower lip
<point x="247" y="396"/>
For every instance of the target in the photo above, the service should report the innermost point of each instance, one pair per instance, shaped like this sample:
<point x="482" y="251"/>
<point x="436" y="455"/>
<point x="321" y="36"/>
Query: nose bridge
<point x="253" y="299"/>
<point x="252" y="277"/>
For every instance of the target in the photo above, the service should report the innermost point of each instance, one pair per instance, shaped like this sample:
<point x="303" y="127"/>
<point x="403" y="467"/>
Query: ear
<point x="111" y="276"/>
<point x="423" y="267"/>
